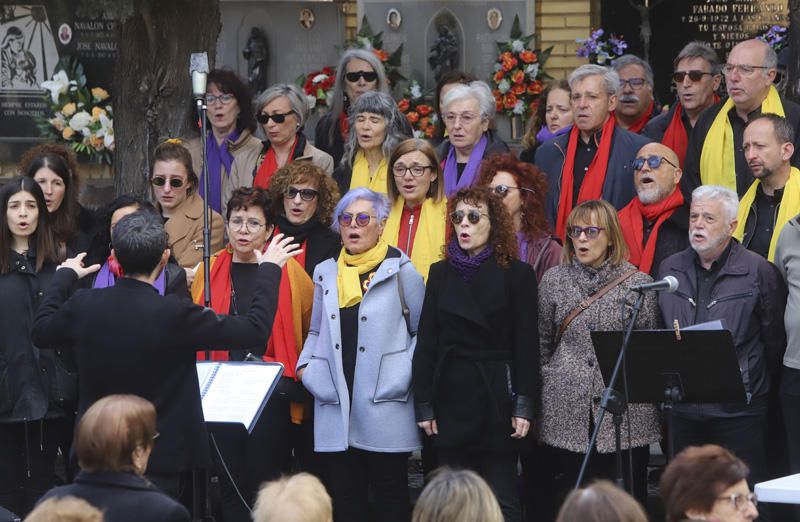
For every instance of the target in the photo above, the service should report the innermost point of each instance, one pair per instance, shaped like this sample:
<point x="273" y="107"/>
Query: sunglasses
<point x="263" y="119"/>
<point x="369" y="76"/>
<point x="305" y="194"/>
<point x="361" y="219"/>
<point x="224" y="99"/>
<point x="159" y="181"/>
<point x="473" y="216"/>
<point x="591" y="232"/>
<point x="695" y="76"/>
<point x="652" y="161"/>
<point x="502" y="190"/>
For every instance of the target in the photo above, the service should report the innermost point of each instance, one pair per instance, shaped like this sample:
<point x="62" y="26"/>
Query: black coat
<point x="27" y="386"/>
<point x="122" y="497"/>
<point x="673" y="237"/>
<point x="476" y="363"/>
<point x="323" y="141"/>
<point x="129" y="339"/>
<point x="174" y="281"/>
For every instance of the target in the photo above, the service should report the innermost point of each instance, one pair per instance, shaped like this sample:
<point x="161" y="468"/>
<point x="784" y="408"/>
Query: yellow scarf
<point x="790" y="207"/>
<point x="350" y="266"/>
<point x="430" y="236"/>
<point x="361" y="177"/>
<point x="717" y="163"/>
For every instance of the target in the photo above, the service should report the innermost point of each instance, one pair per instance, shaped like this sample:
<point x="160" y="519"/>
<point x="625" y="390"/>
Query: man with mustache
<point x="696" y="79"/>
<point x="715" y="155"/>
<point x="774" y="197"/>
<point x="655" y="223"/>
<point x="719" y="279"/>
<point x="593" y="161"/>
<point x="635" y="103"/>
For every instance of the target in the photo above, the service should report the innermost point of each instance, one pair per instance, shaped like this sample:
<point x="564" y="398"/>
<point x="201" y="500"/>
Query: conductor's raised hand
<point x="280" y="249"/>
<point x="76" y="264"/>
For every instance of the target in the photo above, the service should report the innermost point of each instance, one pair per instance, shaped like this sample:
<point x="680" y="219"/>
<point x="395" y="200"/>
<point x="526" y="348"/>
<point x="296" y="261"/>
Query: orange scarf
<point x="592" y="186"/>
<point x="631" y="219"/>
<point x="639" y="124"/>
<point x="220" y="278"/>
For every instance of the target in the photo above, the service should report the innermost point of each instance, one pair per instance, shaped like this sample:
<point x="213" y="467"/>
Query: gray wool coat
<point x="380" y="416"/>
<point x="571" y="380"/>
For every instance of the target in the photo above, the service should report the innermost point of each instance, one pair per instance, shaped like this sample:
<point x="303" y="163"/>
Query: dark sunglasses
<point x="263" y="119"/>
<point x="473" y="216"/>
<point x="695" y="76"/>
<point x="652" y="161"/>
<point x="502" y="190"/>
<point x="360" y="219"/>
<point x="591" y="232"/>
<point x="369" y="76"/>
<point x="158" y="181"/>
<point x="305" y="194"/>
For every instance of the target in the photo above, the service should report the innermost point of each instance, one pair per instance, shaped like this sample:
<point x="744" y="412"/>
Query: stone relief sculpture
<point x="257" y="56"/>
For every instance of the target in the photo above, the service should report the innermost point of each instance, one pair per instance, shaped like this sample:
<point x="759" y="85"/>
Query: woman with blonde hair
<point x="296" y="498"/>
<point x="457" y="496"/>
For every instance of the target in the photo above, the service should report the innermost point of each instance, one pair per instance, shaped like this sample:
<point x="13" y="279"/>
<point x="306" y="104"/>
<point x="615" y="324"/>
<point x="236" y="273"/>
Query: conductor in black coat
<point x="130" y="340"/>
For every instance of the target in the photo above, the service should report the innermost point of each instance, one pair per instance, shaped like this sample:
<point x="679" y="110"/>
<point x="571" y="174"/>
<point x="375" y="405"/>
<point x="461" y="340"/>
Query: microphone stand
<point x="616" y="403"/>
<point x="202" y="108"/>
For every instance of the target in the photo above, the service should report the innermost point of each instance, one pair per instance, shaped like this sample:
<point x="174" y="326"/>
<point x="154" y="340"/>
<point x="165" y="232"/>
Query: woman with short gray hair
<point x="468" y="112"/>
<point x="356" y="362"/>
<point x="281" y="111"/>
<point x="359" y="71"/>
<point x="376" y="127"/>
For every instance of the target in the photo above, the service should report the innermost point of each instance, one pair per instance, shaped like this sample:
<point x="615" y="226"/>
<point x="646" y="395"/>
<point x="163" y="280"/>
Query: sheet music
<point x="204" y="372"/>
<point x="238" y="392"/>
<point x="710" y="325"/>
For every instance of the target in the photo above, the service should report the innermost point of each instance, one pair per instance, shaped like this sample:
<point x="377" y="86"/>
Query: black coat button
<point x="361" y="348"/>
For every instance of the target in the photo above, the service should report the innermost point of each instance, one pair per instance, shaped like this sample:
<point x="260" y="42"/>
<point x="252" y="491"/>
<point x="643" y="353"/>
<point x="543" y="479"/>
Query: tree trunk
<point x="793" y="84"/>
<point x="152" y="85"/>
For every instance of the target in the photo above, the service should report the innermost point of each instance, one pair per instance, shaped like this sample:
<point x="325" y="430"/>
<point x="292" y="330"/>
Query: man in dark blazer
<point x="129" y="339"/>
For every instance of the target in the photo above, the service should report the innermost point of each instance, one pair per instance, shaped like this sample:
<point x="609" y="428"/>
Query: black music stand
<point x="669" y="366"/>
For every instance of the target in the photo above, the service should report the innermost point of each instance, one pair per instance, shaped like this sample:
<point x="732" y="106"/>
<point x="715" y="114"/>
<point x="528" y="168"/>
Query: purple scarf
<point x="107" y="279"/>
<point x="461" y="261"/>
<point x="218" y="156"/>
<point x="544" y="133"/>
<point x="523" y="246"/>
<point x="452" y="183"/>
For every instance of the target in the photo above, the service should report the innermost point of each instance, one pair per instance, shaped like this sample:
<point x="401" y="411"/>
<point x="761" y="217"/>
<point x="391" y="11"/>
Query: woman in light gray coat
<point x="356" y="362"/>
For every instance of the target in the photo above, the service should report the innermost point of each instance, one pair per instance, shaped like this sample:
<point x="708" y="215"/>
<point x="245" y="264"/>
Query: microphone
<point x="198" y="67"/>
<point x="668" y="284"/>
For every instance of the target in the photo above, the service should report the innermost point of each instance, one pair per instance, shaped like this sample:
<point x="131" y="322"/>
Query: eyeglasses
<point x="741" y="501"/>
<point x="591" y="232"/>
<point x="635" y="83"/>
<point x="652" y="161"/>
<point x="305" y="194"/>
<point x="466" y="117"/>
<point x="400" y="170"/>
<point x="252" y="225"/>
<point x="694" y="75"/>
<point x="156" y="435"/>
<point x="264" y="118"/>
<point x="473" y="216"/>
<point x="502" y="190"/>
<point x="744" y="70"/>
<point x="160" y="181"/>
<point x="369" y="76"/>
<point x="361" y="219"/>
<point x="224" y="99"/>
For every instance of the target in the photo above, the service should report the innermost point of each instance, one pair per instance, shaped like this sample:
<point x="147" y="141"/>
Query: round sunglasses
<point x="652" y="161"/>
<point x="361" y="219"/>
<point x="159" y="181"/>
<point x="473" y="216"/>
<point x="502" y="190"/>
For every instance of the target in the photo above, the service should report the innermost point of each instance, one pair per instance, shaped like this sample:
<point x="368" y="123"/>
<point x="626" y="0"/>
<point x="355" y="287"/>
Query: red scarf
<point x="675" y="136"/>
<point x="631" y="220"/>
<point x="344" y="125"/>
<point x="268" y="167"/>
<point x="639" y="124"/>
<point x="592" y="186"/>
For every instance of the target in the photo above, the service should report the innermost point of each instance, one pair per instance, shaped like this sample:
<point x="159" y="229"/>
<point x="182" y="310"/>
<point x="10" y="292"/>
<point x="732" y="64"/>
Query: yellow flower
<point x="69" y="109"/>
<point x="99" y="94"/>
<point x="97" y="112"/>
<point x="68" y="133"/>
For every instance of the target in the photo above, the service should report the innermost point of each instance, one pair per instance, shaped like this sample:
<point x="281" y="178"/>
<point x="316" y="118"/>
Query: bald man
<point x="655" y="223"/>
<point x="712" y="158"/>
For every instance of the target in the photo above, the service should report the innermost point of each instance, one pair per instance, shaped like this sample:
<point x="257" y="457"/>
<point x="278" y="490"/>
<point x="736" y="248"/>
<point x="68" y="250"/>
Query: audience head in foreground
<point x="296" y="498"/>
<point x="707" y="483"/>
<point x="600" y="502"/>
<point x="457" y="496"/>
<point x="65" y="509"/>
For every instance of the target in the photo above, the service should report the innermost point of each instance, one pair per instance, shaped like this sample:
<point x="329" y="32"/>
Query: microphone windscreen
<point x="198" y="62"/>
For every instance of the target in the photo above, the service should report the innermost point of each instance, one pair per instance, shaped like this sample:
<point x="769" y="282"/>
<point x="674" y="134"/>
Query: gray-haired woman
<point x="359" y="71"/>
<point x="356" y="362"/>
<point x="468" y="111"/>
<point x="376" y="127"/>
<point x="282" y="110"/>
